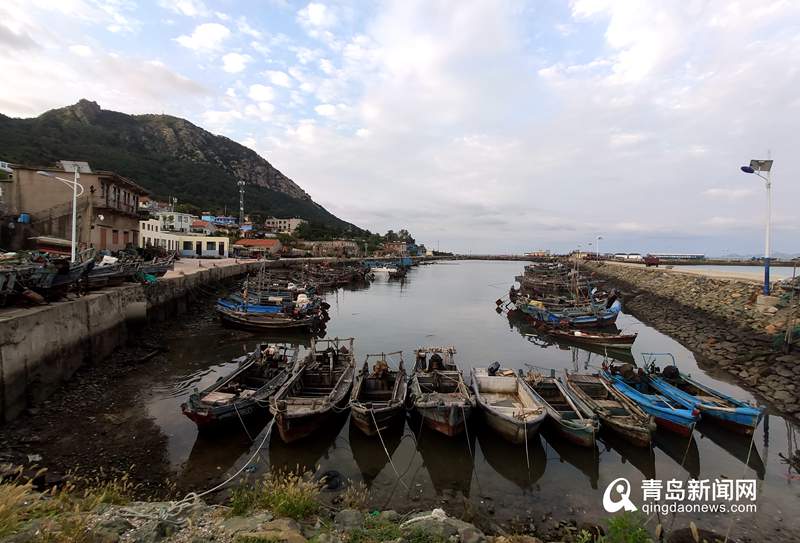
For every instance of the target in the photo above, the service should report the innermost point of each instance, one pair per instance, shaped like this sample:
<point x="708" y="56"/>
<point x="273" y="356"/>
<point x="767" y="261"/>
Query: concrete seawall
<point x="721" y="320"/>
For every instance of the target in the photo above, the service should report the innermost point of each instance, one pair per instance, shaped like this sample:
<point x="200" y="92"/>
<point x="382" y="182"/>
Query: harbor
<point x="133" y="413"/>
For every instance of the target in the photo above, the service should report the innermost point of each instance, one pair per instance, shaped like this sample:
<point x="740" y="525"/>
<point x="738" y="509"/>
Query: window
<point x="115" y="237"/>
<point x="211" y="246"/>
<point x="187" y="245"/>
<point x="127" y="237"/>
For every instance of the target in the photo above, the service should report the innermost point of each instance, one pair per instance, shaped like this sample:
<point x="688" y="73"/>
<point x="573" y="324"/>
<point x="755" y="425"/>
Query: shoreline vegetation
<point x="284" y="506"/>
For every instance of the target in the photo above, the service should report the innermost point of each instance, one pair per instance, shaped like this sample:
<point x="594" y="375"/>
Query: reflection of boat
<point x="608" y="340"/>
<point x="368" y="452"/>
<point x="210" y="457"/>
<point x="642" y="458"/>
<point x="438" y="392"/>
<point x="307" y="454"/>
<point x="509" y="460"/>
<point x="616" y="411"/>
<point x="245" y="392"/>
<point x="683" y="450"/>
<point x="318" y="391"/>
<point x="586" y="460"/>
<point x="379" y="394"/>
<point x="566" y="413"/>
<point x="510" y="407"/>
<point x="448" y="461"/>
<point x="734" y="444"/>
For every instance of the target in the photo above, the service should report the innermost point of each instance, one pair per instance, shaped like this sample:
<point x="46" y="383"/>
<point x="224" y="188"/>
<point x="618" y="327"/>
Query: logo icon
<point x="622" y="487"/>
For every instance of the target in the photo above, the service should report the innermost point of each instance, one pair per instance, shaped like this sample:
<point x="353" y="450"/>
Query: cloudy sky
<point x="485" y="125"/>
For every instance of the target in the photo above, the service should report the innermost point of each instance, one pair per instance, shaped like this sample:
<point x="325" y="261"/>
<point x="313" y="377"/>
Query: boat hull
<point x="449" y="420"/>
<point x="387" y="418"/>
<point x="293" y="428"/>
<point x="511" y="431"/>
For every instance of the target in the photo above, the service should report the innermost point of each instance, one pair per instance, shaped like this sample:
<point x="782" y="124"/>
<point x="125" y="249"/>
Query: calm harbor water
<point x="453" y="303"/>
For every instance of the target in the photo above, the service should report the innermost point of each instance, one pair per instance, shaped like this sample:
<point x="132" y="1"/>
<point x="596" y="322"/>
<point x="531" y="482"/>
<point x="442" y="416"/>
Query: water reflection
<point x="738" y="447"/>
<point x="683" y="450"/>
<point x="517" y="465"/>
<point x="369" y="453"/>
<point x="449" y="461"/>
<point x="586" y="459"/>
<point x="642" y="458"/>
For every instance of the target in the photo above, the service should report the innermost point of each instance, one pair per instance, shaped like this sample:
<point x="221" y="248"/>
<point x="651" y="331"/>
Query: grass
<point x="13" y="502"/>
<point x="624" y="528"/>
<point x="355" y="496"/>
<point x="284" y="493"/>
<point x="375" y="530"/>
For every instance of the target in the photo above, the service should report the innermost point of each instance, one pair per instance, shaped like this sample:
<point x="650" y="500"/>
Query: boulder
<point x="277" y="531"/>
<point x="348" y="520"/>
<point x="437" y="523"/>
<point x="252" y="523"/>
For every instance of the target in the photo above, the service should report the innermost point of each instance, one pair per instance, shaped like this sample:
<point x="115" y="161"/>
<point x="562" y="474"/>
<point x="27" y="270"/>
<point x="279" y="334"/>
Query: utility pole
<point x="241" y="203"/>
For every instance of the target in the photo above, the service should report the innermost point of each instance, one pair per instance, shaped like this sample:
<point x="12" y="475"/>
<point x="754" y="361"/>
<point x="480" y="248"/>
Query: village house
<point x="256" y="248"/>
<point x="283" y="226"/>
<point x="107" y="206"/>
<point x="336" y="247"/>
<point x="395" y="248"/>
<point x="175" y="221"/>
<point x="186" y="244"/>
<point x="202" y="227"/>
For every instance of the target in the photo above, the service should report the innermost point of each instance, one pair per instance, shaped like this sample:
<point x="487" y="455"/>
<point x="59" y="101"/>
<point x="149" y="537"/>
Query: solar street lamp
<point x="75" y="194"/>
<point x="756" y="167"/>
<point x="597" y="246"/>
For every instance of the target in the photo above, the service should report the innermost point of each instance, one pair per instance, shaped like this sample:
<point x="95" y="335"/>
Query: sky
<point x="482" y="126"/>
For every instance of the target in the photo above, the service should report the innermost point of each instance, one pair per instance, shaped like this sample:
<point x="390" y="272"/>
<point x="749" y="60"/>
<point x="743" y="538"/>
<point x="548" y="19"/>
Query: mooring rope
<point x="527" y="458"/>
<point x="744" y="472"/>
<point x="383" y="444"/>
<point x="246" y="431"/>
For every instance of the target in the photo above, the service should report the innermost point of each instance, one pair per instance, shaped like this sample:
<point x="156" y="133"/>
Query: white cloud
<point x="205" y="37"/>
<point x="81" y="50"/>
<point x="279" y="78"/>
<point x="189" y="8"/>
<point x="316" y="15"/>
<point x="729" y="193"/>
<point x="244" y="27"/>
<point x="261" y="93"/>
<point x="326" y="110"/>
<point x="262" y="111"/>
<point x="218" y="119"/>
<point x="235" y="62"/>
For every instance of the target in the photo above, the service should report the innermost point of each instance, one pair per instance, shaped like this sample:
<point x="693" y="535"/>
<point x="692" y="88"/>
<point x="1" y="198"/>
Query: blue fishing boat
<point x="668" y="413"/>
<point x="576" y="317"/>
<point x="735" y="414"/>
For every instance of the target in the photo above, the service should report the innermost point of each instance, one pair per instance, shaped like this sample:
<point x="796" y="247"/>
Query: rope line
<point x="389" y="456"/>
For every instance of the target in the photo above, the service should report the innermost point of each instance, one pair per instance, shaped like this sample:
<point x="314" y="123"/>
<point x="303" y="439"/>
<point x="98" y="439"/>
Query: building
<point x="336" y="247"/>
<point x="395" y="248"/>
<point x="175" y="221"/>
<point x="107" y="209"/>
<point x="284" y="226"/>
<point x="202" y="227"/>
<point x="257" y="248"/>
<point x="678" y="256"/>
<point x="540" y="253"/>
<point x="186" y="244"/>
<point x="225" y="221"/>
<point x="628" y="256"/>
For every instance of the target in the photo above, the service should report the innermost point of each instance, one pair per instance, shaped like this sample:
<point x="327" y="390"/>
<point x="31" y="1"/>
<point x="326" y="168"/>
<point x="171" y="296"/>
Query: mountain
<point x="167" y="155"/>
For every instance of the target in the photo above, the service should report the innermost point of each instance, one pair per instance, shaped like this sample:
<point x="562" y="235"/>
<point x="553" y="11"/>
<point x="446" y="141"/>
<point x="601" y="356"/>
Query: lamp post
<point x="597" y="246"/>
<point x="75" y="194"/>
<point x="756" y="167"/>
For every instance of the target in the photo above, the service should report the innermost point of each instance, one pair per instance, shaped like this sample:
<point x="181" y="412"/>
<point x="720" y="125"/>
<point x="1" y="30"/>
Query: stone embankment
<point x="722" y="321"/>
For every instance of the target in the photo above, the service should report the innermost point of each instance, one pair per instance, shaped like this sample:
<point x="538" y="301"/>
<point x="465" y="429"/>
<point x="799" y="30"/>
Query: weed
<point x="421" y="536"/>
<point x="624" y="528"/>
<point x="285" y="493"/>
<point x="255" y="538"/>
<point x="375" y="530"/>
<point x="355" y="496"/>
<point x="13" y="498"/>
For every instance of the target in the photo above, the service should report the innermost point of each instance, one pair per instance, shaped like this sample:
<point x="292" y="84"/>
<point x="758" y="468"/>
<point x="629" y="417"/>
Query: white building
<point x="284" y="226"/>
<point x="187" y="244"/>
<point x="176" y="222"/>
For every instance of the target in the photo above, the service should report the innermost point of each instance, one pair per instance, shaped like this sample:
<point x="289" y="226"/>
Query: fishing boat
<point x="669" y="414"/>
<point x="379" y="394"/>
<point x="437" y="391"/>
<point x="616" y="412"/>
<point x="575" y="317"/>
<point x="245" y="392"/>
<point x="569" y="416"/>
<point x="317" y="391"/>
<point x="265" y="317"/>
<point x="609" y="340"/>
<point x="734" y="414"/>
<point x="510" y="407"/>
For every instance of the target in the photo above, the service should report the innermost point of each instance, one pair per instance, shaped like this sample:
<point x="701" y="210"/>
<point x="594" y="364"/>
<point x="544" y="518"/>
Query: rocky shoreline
<point x="720" y="322"/>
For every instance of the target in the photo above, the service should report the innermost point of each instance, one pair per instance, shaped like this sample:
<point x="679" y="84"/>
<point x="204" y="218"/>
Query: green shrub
<point x="285" y="493"/>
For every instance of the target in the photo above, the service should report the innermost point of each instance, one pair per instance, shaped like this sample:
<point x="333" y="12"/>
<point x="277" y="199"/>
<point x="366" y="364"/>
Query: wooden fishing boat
<point x="317" y="391"/>
<point x="734" y="414"/>
<point x="616" y="412"/>
<point x="379" y="394"/>
<point x="510" y="407"/>
<point x="569" y="317"/>
<point x="568" y="415"/>
<point x="245" y="392"/>
<point x="437" y="391"/>
<point x="669" y="414"/>
<point x="617" y="341"/>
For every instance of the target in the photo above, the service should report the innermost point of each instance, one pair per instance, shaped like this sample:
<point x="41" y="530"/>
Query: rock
<point x="471" y="535"/>
<point x="154" y="530"/>
<point x="348" y="520"/>
<point x="277" y="531"/>
<point x="99" y="535"/>
<point x="437" y="523"/>
<point x="234" y="525"/>
<point x="117" y="525"/>
<point x="389" y="516"/>
<point x="783" y="396"/>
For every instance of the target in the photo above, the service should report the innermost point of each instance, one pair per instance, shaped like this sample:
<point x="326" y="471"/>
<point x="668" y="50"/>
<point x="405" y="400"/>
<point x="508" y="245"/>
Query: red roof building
<point x="252" y="245"/>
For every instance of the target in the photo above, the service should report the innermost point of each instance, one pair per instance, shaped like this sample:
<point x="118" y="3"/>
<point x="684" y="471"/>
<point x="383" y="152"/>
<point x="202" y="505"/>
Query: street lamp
<point x="75" y="194"/>
<point x="756" y="167"/>
<point x="597" y="246"/>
